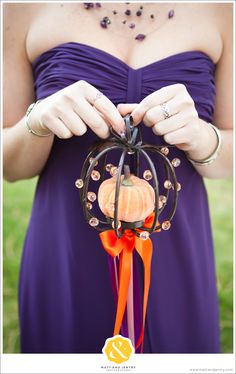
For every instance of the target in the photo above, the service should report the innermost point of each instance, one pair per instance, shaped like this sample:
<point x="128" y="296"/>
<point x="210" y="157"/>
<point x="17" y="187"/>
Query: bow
<point x="124" y="247"/>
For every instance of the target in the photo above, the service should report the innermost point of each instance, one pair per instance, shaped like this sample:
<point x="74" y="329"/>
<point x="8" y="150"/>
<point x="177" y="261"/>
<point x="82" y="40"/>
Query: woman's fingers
<point x="171" y="113"/>
<point x="58" y="127"/>
<point x="179" y="137"/>
<point x="69" y="111"/>
<point x="170" y="124"/>
<point x="156" y="114"/>
<point x="110" y="113"/>
<point x="91" y="117"/>
<point x="158" y="97"/>
<point x="126" y="108"/>
<point x="104" y="106"/>
<point x="74" y="123"/>
<point x="173" y="123"/>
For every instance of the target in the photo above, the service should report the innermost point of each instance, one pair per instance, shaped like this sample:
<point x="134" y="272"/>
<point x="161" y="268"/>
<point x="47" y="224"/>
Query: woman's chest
<point x="186" y="31"/>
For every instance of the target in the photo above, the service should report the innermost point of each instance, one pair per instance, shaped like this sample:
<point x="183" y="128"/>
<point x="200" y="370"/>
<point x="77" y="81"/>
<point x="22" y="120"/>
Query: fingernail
<point x="132" y="117"/>
<point x="131" y="120"/>
<point x="122" y="134"/>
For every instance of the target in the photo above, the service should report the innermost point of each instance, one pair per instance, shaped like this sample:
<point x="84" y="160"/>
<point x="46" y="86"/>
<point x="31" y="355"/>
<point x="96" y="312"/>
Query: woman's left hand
<point x="170" y="112"/>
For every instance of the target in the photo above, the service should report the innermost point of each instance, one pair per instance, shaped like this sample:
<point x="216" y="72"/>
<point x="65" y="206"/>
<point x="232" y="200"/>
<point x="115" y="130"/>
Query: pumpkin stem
<point x="127" y="180"/>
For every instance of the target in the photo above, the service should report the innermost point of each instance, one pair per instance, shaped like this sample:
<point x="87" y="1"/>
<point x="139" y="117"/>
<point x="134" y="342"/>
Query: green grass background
<point x="17" y="199"/>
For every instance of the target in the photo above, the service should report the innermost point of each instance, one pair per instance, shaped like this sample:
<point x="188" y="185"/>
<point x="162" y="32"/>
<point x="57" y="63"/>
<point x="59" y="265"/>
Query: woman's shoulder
<point x="222" y="15"/>
<point x="17" y="18"/>
<point x="218" y="27"/>
<point x="20" y="11"/>
<point x="225" y="12"/>
<point x="224" y="24"/>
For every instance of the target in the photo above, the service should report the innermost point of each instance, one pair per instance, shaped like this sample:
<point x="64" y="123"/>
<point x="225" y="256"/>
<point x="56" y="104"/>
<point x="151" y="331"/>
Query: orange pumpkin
<point x="136" y="197"/>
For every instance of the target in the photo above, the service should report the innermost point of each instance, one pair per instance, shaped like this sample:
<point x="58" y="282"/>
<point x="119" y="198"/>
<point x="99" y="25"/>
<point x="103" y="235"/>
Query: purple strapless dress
<point x="66" y="303"/>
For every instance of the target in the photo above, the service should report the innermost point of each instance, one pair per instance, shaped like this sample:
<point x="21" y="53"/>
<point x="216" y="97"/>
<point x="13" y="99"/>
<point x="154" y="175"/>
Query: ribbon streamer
<point x="124" y="248"/>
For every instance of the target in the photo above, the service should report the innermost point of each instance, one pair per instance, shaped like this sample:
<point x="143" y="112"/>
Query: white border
<point x="97" y="363"/>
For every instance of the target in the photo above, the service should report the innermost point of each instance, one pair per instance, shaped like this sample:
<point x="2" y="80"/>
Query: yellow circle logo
<point x="118" y="349"/>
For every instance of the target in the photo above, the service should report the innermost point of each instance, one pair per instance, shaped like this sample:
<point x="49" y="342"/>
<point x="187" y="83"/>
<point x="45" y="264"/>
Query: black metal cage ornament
<point x="130" y="145"/>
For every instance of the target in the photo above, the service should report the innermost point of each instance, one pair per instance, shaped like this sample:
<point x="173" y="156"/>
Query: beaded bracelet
<point x="27" y="116"/>
<point x="213" y="156"/>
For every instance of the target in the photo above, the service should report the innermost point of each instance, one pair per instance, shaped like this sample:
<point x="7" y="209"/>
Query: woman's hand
<point x="69" y="111"/>
<point x="183" y="128"/>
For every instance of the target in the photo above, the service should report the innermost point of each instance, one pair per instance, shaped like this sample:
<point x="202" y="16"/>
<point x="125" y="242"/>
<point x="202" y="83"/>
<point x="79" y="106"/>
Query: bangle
<point x="27" y="117"/>
<point x="214" y="155"/>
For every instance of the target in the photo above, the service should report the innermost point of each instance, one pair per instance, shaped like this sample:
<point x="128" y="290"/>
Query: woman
<point x="170" y="66"/>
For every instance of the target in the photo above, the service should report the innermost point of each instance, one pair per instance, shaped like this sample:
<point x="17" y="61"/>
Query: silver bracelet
<point x="27" y="117"/>
<point x="214" y="155"/>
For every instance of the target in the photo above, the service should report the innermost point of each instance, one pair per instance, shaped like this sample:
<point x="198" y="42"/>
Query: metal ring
<point x="98" y="95"/>
<point x="165" y="111"/>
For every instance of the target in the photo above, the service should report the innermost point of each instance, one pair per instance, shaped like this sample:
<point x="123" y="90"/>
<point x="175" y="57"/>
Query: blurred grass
<point x="220" y="194"/>
<point x="17" y="200"/>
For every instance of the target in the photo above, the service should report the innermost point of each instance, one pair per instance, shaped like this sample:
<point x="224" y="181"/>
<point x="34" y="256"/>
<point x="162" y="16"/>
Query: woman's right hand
<point x="69" y="111"/>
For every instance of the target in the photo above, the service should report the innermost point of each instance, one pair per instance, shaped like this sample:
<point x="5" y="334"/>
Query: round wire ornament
<point x="129" y="145"/>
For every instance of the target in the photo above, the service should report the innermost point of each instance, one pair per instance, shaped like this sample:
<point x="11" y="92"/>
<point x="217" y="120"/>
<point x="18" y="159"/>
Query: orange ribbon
<point x="124" y="247"/>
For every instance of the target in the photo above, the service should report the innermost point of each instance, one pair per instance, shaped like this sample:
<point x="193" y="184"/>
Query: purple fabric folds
<point x="66" y="302"/>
